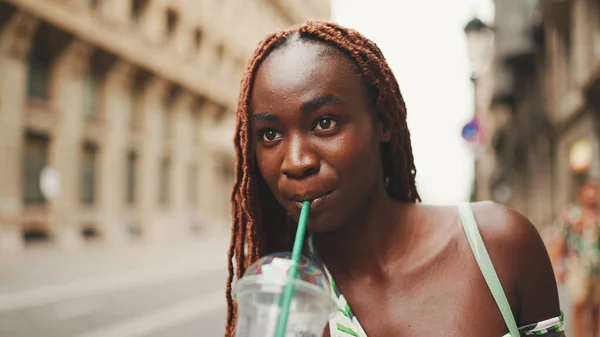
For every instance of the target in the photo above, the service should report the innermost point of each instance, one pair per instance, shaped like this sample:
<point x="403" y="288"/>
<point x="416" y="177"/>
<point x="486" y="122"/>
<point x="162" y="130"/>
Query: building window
<point x="39" y="75"/>
<point x="193" y="185"/>
<point x="168" y="112"/>
<point x="138" y="8"/>
<point x="166" y="120"/>
<point x="88" y="174"/>
<point x="131" y="179"/>
<point x="134" y="108"/>
<point x="172" y="19"/>
<point x="90" y="93"/>
<point x="131" y="109"/>
<point x="35" y="156"/>
<point x="195" y="128"/>
<point x="596" y="31"/>
<point x="198" y="37"/>
<point x="137" y="103"/>
<point x="563" y="53"/>
<point x="164" y="182"/>
<point x="566" y="42"/>
<point x="220" y="53"/>
<point x="221" y="113"/>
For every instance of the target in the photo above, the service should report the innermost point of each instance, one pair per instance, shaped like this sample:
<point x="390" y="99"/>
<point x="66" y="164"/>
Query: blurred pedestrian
<point x="575" y="253"/>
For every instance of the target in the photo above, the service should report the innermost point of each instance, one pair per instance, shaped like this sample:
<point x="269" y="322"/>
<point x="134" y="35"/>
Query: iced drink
<point x="258" y="295"/>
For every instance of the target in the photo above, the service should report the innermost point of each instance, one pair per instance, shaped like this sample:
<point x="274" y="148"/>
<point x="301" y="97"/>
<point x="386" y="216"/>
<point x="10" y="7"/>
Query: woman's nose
<point x="299" y="161"/>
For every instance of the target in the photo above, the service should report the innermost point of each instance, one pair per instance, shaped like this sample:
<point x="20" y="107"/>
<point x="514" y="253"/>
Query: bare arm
<point x="536" y="284"/>
<point x="521" y="261"/>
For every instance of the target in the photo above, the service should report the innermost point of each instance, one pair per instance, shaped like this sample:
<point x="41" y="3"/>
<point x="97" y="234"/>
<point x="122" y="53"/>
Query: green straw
<point x="288" y="292"/>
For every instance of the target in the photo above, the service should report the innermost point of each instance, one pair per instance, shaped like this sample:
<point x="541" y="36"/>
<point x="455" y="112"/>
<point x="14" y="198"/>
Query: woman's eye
<point x="271" y="135"/>
<point x="325" y="124"/>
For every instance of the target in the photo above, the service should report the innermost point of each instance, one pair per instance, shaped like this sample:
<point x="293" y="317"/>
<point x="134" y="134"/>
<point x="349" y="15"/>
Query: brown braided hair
<point x="254" y="235"/>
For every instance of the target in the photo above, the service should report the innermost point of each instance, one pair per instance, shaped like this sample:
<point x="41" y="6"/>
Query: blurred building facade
<point x="127" y="106"/>
<point x="543" y="107"/>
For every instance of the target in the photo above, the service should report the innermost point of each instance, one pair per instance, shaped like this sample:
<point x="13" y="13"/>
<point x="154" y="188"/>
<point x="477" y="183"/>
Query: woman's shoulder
<point x="517" y="252"/>
<point x="508" y="235"/>
<point x="505" y="227"/>
<point x="520" y="259"/>
<point x="501" y="227"/>
<point x="515" y="247"/>
<point x="514" y="244"/>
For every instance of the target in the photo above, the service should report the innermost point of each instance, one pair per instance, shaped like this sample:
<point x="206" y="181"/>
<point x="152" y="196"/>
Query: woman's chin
<point x="320" y="225"/>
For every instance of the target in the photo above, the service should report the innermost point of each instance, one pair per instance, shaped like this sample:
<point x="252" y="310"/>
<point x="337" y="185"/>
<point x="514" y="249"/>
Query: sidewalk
<point x="43" y="266"/>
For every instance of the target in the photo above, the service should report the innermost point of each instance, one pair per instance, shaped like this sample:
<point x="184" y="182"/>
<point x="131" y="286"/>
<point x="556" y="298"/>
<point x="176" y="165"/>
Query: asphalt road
<point x="128" y="291"/>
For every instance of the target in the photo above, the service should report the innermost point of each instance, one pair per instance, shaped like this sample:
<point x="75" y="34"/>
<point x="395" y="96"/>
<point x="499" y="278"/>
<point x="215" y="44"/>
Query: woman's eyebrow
<point x="319" y="102"/>
<point x="264" y="117"/>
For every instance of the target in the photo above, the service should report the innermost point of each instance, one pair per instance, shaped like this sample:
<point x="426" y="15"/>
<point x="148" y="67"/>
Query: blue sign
<point x="471" y="132"/>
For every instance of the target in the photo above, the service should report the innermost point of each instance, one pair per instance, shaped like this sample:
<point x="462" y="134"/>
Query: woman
<point x="321" y="118"/>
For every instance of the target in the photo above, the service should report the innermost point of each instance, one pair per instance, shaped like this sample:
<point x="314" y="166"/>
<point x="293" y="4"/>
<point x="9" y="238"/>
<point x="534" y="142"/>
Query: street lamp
<point x="480" y="39"/>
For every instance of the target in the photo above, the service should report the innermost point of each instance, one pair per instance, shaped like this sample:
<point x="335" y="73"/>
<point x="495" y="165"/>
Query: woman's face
<point x="315" y="133"/>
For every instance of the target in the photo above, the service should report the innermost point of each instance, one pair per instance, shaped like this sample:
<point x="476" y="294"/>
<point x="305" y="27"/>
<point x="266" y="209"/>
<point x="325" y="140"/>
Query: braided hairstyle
<point x="256" y="233"/>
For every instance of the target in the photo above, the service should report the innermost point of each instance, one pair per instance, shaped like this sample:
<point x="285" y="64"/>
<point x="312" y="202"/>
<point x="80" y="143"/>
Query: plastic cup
<point x="258" y="294"/>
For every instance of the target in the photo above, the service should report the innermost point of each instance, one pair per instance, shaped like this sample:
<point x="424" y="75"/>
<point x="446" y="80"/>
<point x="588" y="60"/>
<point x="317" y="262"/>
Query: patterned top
<point x="345" y="324"/>
<point x="582" y="240"/>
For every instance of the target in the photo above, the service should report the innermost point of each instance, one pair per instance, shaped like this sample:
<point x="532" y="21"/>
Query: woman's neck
<point x="364" y="248"/>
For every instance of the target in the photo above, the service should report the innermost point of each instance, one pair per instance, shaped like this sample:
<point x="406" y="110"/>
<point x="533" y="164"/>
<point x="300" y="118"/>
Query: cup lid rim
<point x="277" y="281"/>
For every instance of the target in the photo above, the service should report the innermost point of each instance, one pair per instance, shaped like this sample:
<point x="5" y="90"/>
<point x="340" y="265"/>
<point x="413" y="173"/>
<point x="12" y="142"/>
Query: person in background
<point x="575" y="253"/>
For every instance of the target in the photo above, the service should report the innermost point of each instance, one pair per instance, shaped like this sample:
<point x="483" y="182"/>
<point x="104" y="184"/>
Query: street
<point x="149" y="291"/>
<point x="139" y="290"/>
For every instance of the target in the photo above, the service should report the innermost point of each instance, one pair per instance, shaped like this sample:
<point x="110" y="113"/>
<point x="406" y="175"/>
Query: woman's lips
<point x="316" y="204"/>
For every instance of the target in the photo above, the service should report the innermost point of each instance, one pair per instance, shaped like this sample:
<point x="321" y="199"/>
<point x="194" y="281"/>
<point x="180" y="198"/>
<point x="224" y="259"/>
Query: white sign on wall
<point x="50" y="183"/>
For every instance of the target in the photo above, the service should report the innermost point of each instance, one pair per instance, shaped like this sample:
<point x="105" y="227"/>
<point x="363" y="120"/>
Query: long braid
<point x="256" y="232"/>
<point x="244" y="214"/>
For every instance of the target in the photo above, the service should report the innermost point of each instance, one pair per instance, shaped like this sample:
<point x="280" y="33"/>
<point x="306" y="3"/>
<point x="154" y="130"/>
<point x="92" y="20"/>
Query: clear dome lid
<point x="276" y="268"/>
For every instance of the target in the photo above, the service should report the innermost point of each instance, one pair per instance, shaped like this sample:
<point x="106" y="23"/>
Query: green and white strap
<point x="486" y="266"/>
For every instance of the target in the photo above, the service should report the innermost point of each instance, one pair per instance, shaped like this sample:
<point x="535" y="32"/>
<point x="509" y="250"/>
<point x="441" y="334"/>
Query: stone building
<point x="127" y="107"/>
<point x="544" y="104"/>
